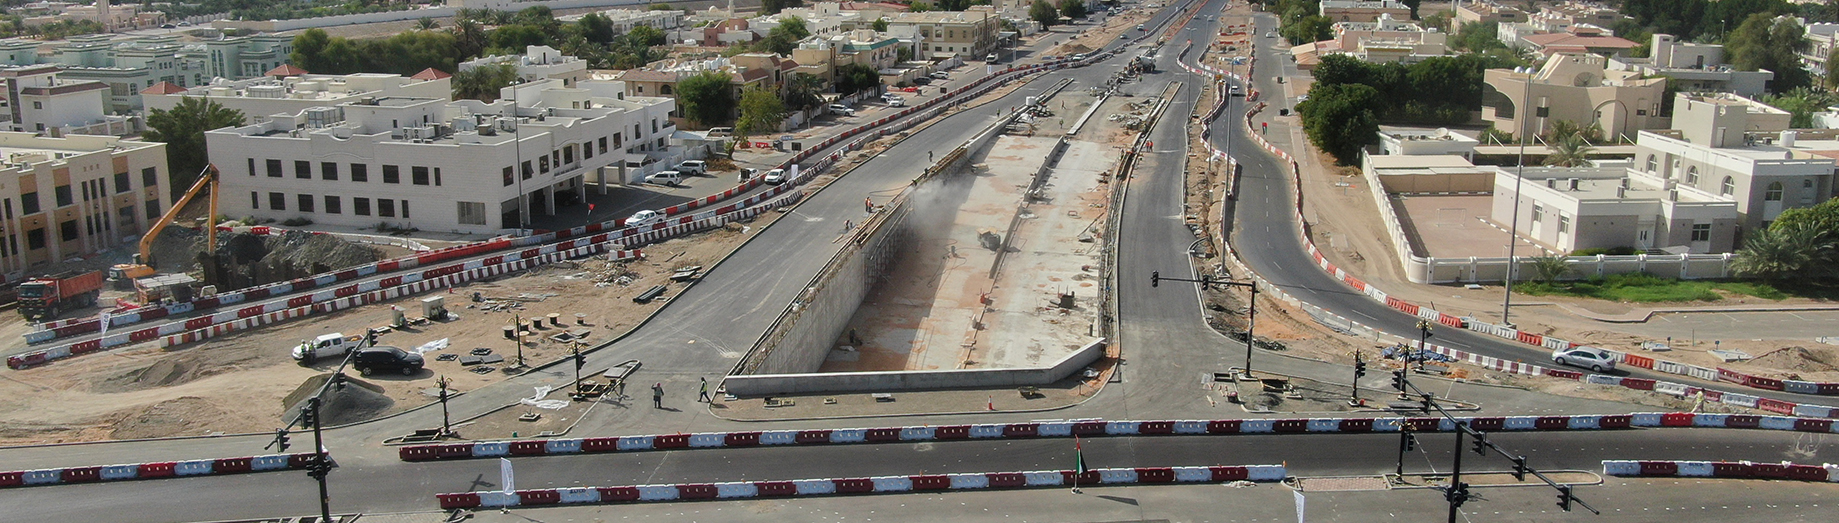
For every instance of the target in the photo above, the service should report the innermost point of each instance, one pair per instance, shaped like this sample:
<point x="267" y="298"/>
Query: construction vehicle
<point x="142" y="266"/>
<point x="44" y="297"/>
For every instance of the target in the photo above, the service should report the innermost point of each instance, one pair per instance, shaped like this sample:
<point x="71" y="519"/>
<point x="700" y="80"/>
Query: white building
<point x="539" y="62"/>
<point x="822" y="19"/>
<point x="36" y="100"/>
<point x="1420" y="142"/>
<point x="626" y="19"/>
<point x="261" y="97"/>
<point x="1695" y="67"/>
<point x="433" y="164"/>
<point x="1605" y="207"/>
<point x="1733" y="147"/>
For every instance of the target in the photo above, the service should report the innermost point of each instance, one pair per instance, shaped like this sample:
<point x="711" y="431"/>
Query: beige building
<point x="969" y="34"/>
<point x="1487" y="13"/>
<point x="1732" y="147"/>
<point x="266" y="96"/>
<point x="1576" y="88"/>
<point x="73" y="196"/>
<point x="1363" y="10"/>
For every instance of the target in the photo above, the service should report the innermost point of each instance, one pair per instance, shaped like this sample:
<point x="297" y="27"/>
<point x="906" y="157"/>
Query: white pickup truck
<point x="332" y="345"/>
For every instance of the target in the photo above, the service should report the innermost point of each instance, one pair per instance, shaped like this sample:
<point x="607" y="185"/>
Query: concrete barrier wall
<point x="803" y="337"/>
<point x="768" y="384"/>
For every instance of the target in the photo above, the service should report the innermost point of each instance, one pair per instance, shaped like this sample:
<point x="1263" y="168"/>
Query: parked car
<point x="896" y="101"/>
<point x="643" y="217"/>
<point x="748" y="172"/>
<point x="940" y="75"/>
<point x="1078" y="57"/>
<point x="693" y="168"/>
<point x="841" y="110"/>
<point x="386" y="359"/>
<point x="665" y="178"/>
<point x="1597" y="360"/>
<point x="721" y="131"/>
<point x="167" y="26"/>
<point x="991" y="58"/>
<point x="774" y="177"/>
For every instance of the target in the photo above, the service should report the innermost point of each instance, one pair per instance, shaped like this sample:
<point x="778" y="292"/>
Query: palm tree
<point x="1550" y="268"/>
<point x="1774" y="254"/>
<point x="802" y="91"/>
<point x="1572" y="151"/>
<point x="469" y="37"/>
<point x="426" y="24"/>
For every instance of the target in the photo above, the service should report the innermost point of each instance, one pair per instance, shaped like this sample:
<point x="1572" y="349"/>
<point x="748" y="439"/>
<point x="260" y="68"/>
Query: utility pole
<point x="321" y="467"/>
<point x="1251" y="315"/>
<point x="1423" y="344"/>
<point x="1458" y="492"/>
<point x="580" y="361"/>
<point x="446" y="423"/>
<point x="1359" y="370"/>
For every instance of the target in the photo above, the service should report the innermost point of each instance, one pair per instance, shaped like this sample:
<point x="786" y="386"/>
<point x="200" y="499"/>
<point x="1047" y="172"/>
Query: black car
<point x="386" y="359"/>
<point x="922" y="81"/>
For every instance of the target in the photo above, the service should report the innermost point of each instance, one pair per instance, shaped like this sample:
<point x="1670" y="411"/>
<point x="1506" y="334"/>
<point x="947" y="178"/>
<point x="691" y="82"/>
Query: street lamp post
<point x="1519" y="178"/>
<point x="1423" y="344"/>
<point x="1251" y="315"/>
<point x="446" y="423"/>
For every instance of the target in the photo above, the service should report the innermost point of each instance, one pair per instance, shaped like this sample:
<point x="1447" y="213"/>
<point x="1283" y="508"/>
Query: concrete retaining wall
<point x="801" y="338"/>
<point x="767" y="384"/>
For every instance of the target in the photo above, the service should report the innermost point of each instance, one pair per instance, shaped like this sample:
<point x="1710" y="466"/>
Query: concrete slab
<point x="1457" y="227"/>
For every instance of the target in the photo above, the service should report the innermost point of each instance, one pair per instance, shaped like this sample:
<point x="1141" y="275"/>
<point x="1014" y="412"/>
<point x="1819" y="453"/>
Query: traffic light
<point x="1459" y="494"/>
<point x="370" y="337"/>
<point x="1155" y="278"/>
<point x="307" y="415"/>
<point x="1398" y="380"/>
<point x="1426" y="401"/>
<point x="1481" y="444"/>
<point x="1519" y="468"/>
<point x="580" y="360"/>
<point x="280" y="444"/>
<point x="1359" y="368"/>
<point x="1564" y="497"/>
<point x="1410" y="441"/>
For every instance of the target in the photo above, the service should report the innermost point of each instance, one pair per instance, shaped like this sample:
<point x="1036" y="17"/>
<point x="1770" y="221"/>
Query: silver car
<point x="1597" y="360"/>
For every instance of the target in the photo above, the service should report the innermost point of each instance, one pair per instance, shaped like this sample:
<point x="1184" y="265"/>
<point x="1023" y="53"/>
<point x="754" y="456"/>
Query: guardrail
<point x="1098" y="428"/>
<point x="860" y="486"/>
<point x="157" y="470"/>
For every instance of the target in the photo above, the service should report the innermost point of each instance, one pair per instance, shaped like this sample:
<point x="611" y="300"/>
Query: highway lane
<point x="1266" y="240"/>
<point x="388" y="489"/>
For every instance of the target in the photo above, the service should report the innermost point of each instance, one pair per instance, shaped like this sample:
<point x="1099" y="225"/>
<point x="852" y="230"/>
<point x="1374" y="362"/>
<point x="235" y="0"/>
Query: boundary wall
<point x="745" y="385"/>
<point x="859" y="486"/>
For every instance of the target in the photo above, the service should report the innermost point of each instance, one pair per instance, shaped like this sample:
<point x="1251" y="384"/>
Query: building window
<point x="437" y="177"/>
<point x="274" y="168"/>
<point x="255" y="200"/>
<point x="38" y="105"/>
<point x="122" y="183"/>
<point x="153" y="209"/>
<point x="1692" y="175"/>
<point x="1538" y="213"/>
<point x="1701" y="232"/>
<point x="360" y="206"/>
<point x="543" y="163"/>
<point x="508" y="177"/>
<point x="63" y="195"/>
<point x="277" y="201"/>
<point x="392" y="174"/>
<point x="471" y="213"/>
<point x="587" y="151"/>
<point x="67" y="230"/>
<point x="1652" y="163"/>
<point x="568" y="154"/>
<point x="386" y="208"/>
<point x="35" y="239"/>
<point x="328" y="170"/>
<point x="418" y="175"/>
<point x="332" y="205"/>
<point x="1675" y="168"/>
<point x="603" y="144"/>
<point x="303" y="169"/>
<point x="252" y="166"/>
<point x="1729" y="188"/>
<point x="405" y="208"/>
<point x="527" y="170"/>
<point x="306" y="202"/>
<point x="1564" y="224"/>
<point x="1773" y="193"/>
<point x="28" y="202"/>
<point x="360" y="172"/>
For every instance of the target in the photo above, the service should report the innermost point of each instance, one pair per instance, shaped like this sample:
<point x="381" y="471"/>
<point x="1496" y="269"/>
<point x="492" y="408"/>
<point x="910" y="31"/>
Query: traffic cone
<point x="992" y="403"/>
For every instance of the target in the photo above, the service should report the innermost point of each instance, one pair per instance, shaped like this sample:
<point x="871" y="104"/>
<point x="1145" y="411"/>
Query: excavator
<point x="124" y="274"/>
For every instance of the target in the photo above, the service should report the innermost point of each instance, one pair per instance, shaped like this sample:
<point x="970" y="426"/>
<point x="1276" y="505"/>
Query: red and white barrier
<point x="1721" y="469"/>
<point x="158" y="470"/>
<point x="856" y="486"/>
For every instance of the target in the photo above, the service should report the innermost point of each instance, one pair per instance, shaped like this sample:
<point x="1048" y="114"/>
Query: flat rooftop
<point x="1456" y="227"/>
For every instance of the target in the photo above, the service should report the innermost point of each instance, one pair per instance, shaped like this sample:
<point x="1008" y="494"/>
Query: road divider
<point x="859" y="486"/>
<point x="157" y="470"/>
<point x="1721" y="469"/>
<point x="1099" y="428"/>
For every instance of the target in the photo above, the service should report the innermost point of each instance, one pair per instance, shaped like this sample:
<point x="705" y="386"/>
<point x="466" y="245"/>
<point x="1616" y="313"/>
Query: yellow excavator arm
<point x="140" y="267"/>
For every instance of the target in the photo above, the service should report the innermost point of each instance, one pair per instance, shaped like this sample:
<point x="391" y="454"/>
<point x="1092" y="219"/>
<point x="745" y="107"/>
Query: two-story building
<point x="66" y="197"/>
<point x="1574" y="87"/>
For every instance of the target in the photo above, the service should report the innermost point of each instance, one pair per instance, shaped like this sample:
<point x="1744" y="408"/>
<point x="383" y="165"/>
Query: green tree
<point x="1043" y="12"/>
<point x="768" y="7"/>
<point x="853" y="78"/>
<point x="540" y="16"/>
<point x="761" y="112"/>
<point x="1413" y="4"/>
<point x="706" y="98"/>
<point x="1478" y="37"/>
<point x="953" y="5"/>
<point x="919" y="7"/>
<point x="483" y="83"/>
<point x="1339" y="119"/>
<point x="1831" y="72"/>
<point x="1801" y="104"/>
<point x="1549" y="269"/>
<point x="597" y="28"/>
<point x="310" y="50"/>
<point x="1788" y="253"/>
<point x="426" y="24"/>
<point x="646" y="36"/>
<point x="182" y="130"/>
<point x="469" y="38"/>
<point x="1074" y="9"/>
<point x="1767" y="42"/>
<point x="662" y="7"/>
<point x="880" y="25"/>
<point x="1308" y="29"/>
<point x="1823" y="217"/>
<point x="1439" y="20"/>
<point x="802" y="92"/>
<point x="514" y="38"/>
<point x="1570" y="151"/>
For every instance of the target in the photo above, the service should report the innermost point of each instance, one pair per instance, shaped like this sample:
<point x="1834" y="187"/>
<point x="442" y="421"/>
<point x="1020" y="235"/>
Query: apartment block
<point x="1732" y="147"/>
<point x="1363" y="10"/>
<point x="969" y="34"/>
<point x="72" y="196"/>
<point x="261" y="97"/>
<point x="1695" y="67"/>
<point x="37" y="100"/>
<point x="430" y="163"/>
<point x="1487" y="13"/>
<point x="539" y="62"/>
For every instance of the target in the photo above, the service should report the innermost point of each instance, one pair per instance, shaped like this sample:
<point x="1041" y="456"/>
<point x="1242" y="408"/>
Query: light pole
<point x="517" y="165"/>
<point x="1423" y="344"/>
<point x="446" y="423"/>
<point x="1251" y="315"/>
<point x="1519" y="178"/>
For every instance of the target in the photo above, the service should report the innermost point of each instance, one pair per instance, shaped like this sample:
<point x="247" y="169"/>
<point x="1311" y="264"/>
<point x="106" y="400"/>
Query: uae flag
<point x="1079" y="458"/>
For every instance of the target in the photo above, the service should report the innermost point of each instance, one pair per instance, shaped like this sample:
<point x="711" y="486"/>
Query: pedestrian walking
<point x="928" y="156"/>
<point x="619" y="389"/>
<point x="704" y="395"/>
<point x="868" y="205"/>
<point x="848" y="226"/>
<point x="657" y="395"/>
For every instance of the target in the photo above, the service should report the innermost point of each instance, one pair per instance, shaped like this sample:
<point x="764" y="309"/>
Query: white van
<point x="693" y="167"/>
<point x="721" y="131"/>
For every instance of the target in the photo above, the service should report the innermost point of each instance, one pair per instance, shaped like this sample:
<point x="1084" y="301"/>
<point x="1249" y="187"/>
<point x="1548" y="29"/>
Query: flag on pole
<point x="505" y="477"/>
<point x="105" y="323"/>
<point x="1079" y="458"/>
<point x="1299" y="505"/>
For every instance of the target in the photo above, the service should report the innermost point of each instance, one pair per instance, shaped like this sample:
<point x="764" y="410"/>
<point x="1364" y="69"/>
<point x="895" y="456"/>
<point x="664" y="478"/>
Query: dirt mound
<point x="350" y="401"/>
<point x="176" y="248"/>
<point x="1798" y="359"/>
<point x="1075" y="48"/>
<point x="296" y="254"/>
<point x="176" y="417"/>
<point x="182" y="367"/>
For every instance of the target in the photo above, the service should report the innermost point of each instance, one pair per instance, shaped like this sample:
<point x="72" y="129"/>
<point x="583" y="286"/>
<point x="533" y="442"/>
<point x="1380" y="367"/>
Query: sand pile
<point x="351" y="401"/>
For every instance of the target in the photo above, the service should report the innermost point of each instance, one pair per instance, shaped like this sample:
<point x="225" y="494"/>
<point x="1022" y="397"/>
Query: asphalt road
<point x="1265" y="238"/>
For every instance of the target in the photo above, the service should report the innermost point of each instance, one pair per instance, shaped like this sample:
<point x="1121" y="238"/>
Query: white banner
<point x="1299" y="505"/>
<point x="509" y="480"/>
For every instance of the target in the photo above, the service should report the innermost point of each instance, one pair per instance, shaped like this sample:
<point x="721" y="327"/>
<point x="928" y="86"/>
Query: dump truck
<point x="45" y="297"/>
